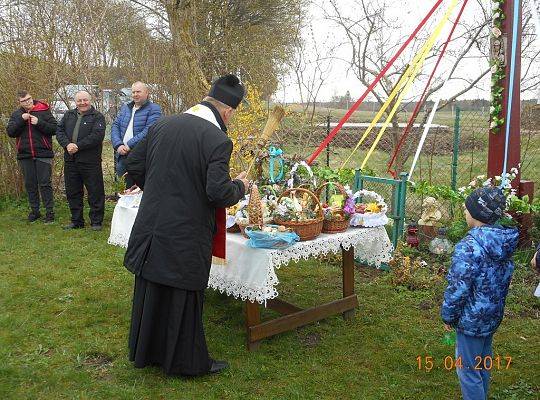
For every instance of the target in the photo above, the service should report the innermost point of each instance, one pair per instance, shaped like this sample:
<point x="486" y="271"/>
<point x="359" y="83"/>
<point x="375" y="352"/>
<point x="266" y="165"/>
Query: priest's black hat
<point x="228" y="90"/>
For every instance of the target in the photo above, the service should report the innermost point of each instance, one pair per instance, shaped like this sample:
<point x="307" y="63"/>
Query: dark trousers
<point x="37" y="179"/>
<point x="89" y="175"/>
<point x="121" y="170"/>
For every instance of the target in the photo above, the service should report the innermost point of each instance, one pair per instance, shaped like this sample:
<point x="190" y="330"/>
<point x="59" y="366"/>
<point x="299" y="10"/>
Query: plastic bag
<point x="270" y="240"/>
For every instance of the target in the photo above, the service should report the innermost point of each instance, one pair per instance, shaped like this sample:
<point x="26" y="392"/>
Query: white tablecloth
<point x="250" y="274"/>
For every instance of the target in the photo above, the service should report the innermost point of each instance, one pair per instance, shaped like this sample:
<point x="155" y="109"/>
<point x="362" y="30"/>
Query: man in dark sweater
<point x="80" y="133"/>
<point x="33" y="126"/>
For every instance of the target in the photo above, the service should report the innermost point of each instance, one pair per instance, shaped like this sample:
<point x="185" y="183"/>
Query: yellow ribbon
<point x="404" y="83"/>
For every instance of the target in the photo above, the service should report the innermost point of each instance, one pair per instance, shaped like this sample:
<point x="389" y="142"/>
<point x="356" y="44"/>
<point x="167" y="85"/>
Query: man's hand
<point x="533" y="263"/>
<point x="25" y="116"/>
<point x="242" y="177"/>
<point x="447" y="328"/>
<point x="123" y="149"/>
<point x="72" y="148"/>
<point x="33" y="119"/>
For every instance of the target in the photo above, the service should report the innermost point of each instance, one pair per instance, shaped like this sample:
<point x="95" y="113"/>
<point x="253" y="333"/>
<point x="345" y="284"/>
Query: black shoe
<point x="96" y="227"/>
<point x="218" y="366"/>
<point x="72" y="226"/>
<point x="34" y="216"/>
<point x="49" y="218"/>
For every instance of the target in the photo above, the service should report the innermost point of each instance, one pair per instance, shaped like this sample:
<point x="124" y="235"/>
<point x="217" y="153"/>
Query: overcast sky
<point x="405" y="15"/>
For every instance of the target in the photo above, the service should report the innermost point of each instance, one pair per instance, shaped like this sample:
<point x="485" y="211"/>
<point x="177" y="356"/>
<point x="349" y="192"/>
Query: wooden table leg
<point x="253" y="317"/>
<point x="294" y="316"/>
<point x="348" y="277"/>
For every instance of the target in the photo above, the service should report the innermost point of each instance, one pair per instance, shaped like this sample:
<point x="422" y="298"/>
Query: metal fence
<point x="455" y="151"/>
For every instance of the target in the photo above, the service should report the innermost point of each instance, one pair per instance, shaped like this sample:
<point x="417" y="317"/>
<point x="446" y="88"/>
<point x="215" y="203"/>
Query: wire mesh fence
<point x="301" y="133"/>
<point x="454" y="153"/>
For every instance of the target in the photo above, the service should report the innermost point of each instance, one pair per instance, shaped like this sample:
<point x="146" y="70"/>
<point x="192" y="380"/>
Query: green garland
<point x="497" y="71"/>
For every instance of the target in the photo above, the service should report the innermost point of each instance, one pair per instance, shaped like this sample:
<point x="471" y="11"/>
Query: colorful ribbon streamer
<point x="404" y="83"/>
<point x="515" y="26"/>
<point x="427" y="126"/>
<point x="276" y="154"/>
<point x="420" y="101"/>
<point x="345" y="118"/>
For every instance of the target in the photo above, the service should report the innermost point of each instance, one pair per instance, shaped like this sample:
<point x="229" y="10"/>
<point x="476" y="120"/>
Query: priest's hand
<point x="33" y="119"/>
<point x="242" y="177"/>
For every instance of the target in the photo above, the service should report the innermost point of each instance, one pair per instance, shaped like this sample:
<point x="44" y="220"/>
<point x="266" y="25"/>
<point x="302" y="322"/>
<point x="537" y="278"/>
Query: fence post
<point x="328" y="155"/>
<point x="358" y="180"/>
<point x="328" y="147"/>
<point x="457" y="131"/>
<point x="401" y="197"/>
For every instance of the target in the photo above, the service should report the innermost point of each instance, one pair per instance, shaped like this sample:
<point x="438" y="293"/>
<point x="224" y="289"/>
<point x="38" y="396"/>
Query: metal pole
<point x="457" y="131"/>
<point x="328" y="147"/>
<point x="327" y="155"/>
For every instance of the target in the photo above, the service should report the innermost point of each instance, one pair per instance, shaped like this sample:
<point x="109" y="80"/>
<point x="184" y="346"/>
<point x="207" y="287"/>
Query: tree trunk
<point x="191" y="77"/>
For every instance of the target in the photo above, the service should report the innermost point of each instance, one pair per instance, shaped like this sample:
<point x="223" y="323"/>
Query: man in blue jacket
<point x="478" y="283"/>
<point x="131" y="126"/>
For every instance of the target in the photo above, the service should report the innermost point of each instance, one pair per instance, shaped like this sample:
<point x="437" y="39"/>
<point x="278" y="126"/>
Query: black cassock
<point x="183" y="167"/>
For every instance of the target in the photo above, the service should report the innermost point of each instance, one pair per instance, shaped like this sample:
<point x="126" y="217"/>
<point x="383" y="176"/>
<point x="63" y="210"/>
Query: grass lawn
<point x="64" y="317"/>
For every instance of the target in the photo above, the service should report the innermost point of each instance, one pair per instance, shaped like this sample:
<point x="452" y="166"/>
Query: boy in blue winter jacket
<point x="478" y="283"/>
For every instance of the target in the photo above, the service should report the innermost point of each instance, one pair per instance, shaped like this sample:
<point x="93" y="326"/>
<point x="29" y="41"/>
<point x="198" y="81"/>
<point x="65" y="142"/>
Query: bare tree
<point x="208" y="38"/>
<point x="373" y="37"/>
<point x="312" y="64"/>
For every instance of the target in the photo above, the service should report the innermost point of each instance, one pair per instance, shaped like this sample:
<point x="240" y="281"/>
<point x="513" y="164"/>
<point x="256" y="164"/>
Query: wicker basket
<point x="311" y="185"/>
<point x="234" y="229"/>
<point x="335" y="226"/>
<point x="369" y="220"/>
<point x="308" y="229"/>
<point x="242" y="229"/>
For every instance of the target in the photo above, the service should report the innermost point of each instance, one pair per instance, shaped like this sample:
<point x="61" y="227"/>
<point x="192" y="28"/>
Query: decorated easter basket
<point x="371" y="211"/>
<point x="336" y="220"/>
<point x="233" y="228"/>
<point x="307" y="223"/>
<point x="311" y="184"/>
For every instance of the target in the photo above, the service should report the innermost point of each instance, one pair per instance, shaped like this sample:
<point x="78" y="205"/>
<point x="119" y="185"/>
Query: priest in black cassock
<point x="183" y="167"/>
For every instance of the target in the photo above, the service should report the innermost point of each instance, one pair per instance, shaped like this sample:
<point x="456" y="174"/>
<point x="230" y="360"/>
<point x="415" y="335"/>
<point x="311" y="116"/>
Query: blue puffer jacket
<point x="478" y="280"/>
<point x="144" y="119"/>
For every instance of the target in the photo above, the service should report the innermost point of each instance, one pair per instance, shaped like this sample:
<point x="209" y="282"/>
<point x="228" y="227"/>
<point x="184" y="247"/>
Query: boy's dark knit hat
<point x="228" y="90"/>
<point x="486" y="204"/>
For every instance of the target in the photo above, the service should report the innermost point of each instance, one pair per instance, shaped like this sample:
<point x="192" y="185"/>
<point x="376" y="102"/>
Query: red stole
<point x="218" y="242"/>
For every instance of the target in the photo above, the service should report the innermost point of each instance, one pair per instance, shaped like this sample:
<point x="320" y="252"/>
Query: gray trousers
<point x="37" y="180"/>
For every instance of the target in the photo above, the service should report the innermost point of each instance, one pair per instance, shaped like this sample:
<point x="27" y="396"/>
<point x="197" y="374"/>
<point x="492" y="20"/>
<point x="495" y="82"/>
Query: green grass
<point x="64" y="317"/>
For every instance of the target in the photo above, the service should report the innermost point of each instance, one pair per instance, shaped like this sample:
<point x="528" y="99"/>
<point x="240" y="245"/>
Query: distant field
<point x="443" y="117"/>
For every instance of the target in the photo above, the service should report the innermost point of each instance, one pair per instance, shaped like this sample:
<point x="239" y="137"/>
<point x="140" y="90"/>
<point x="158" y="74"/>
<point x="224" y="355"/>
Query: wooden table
<point x="250" y="274"/>
<point x="293" y="316"/>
